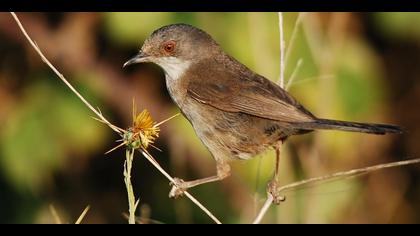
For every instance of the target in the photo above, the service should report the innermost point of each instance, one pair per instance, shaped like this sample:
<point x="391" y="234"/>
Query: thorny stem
<point x="102" y="118"/>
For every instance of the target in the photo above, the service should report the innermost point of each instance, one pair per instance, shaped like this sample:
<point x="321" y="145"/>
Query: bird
<point x="235" y="112"/>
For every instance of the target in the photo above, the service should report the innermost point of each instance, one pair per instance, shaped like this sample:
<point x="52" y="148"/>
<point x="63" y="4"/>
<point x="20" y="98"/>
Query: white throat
<point x="174" y="67"/>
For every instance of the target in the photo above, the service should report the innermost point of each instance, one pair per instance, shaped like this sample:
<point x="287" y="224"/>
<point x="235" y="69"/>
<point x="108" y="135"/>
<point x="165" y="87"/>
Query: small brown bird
<point x="235" y="112"/>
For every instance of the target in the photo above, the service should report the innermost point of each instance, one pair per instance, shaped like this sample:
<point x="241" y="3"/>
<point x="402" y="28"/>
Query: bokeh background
<point x="361" y="67"/>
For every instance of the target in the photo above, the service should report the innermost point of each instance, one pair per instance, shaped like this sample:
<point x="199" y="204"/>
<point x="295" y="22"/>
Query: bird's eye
<point x="169" y="46"/>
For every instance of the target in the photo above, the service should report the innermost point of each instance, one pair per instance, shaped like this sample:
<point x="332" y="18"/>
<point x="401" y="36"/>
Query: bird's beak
<point x="139" y="58"/>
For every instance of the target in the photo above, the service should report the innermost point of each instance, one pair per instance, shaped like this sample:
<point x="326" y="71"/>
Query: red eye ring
<point x="169" y="46"/>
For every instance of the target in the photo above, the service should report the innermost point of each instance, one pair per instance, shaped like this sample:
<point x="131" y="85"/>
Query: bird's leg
<point x="273" y="184"/>
<point x="178" y="188"/>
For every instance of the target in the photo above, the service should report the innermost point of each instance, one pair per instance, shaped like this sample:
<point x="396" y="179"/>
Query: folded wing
<point x="247" y="93"/>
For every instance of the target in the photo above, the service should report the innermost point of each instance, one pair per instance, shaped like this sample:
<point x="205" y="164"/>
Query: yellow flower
<point x="142" y="133"/>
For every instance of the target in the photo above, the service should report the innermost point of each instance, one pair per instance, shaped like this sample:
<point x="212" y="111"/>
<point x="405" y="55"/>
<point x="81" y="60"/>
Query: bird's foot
<point x="178" y="188"/>
<point x="272" y="189"/>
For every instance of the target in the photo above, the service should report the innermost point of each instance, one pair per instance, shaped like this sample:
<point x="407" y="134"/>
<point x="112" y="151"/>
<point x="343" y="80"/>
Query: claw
<point x="272" y="190"/>
<point x="178" y="188"/>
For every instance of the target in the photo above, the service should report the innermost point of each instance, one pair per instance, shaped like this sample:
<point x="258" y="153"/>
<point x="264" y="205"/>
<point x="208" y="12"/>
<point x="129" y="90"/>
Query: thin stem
<point x="337" y="175"/>
<point x="44" y="59"/>
<point x="348" y="173"/>
<point x="264" y="209"/>
<point x="293" y="38"/>
<point x="293" y="76"/>
<point x="281" y="80"/>
<point x="129" y="155"/>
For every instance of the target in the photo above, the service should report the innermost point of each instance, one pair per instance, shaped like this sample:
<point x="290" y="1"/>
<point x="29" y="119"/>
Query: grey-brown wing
<point x="254" y="95"/>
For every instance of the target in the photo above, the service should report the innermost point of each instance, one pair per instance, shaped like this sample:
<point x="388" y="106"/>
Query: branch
<point x="349" y="173"/>
<point x="264" y="209"/>
<point x="102" y="118"/>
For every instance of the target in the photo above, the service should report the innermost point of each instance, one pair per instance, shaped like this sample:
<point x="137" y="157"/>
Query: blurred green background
<point x="360" y="67"/>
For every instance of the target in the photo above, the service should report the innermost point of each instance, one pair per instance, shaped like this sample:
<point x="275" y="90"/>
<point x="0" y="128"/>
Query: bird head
<point x="175" y="47"/>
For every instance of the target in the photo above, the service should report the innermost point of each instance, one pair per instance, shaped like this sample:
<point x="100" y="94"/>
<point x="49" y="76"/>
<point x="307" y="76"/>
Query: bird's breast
<point x="176" y="90"/>
<point x="227" y="135"/>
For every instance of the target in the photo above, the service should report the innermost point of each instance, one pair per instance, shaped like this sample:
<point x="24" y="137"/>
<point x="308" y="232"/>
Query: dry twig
<point x="349" y="173"/>
<point x="264" y="209"/>
<point x="102" y="118"/>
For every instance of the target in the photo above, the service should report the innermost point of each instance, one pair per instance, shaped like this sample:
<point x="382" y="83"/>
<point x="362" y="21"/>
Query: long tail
<point x="351" y="126"/>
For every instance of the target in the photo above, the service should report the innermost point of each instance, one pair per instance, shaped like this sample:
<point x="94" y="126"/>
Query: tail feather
<point x="351" y="126"/>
